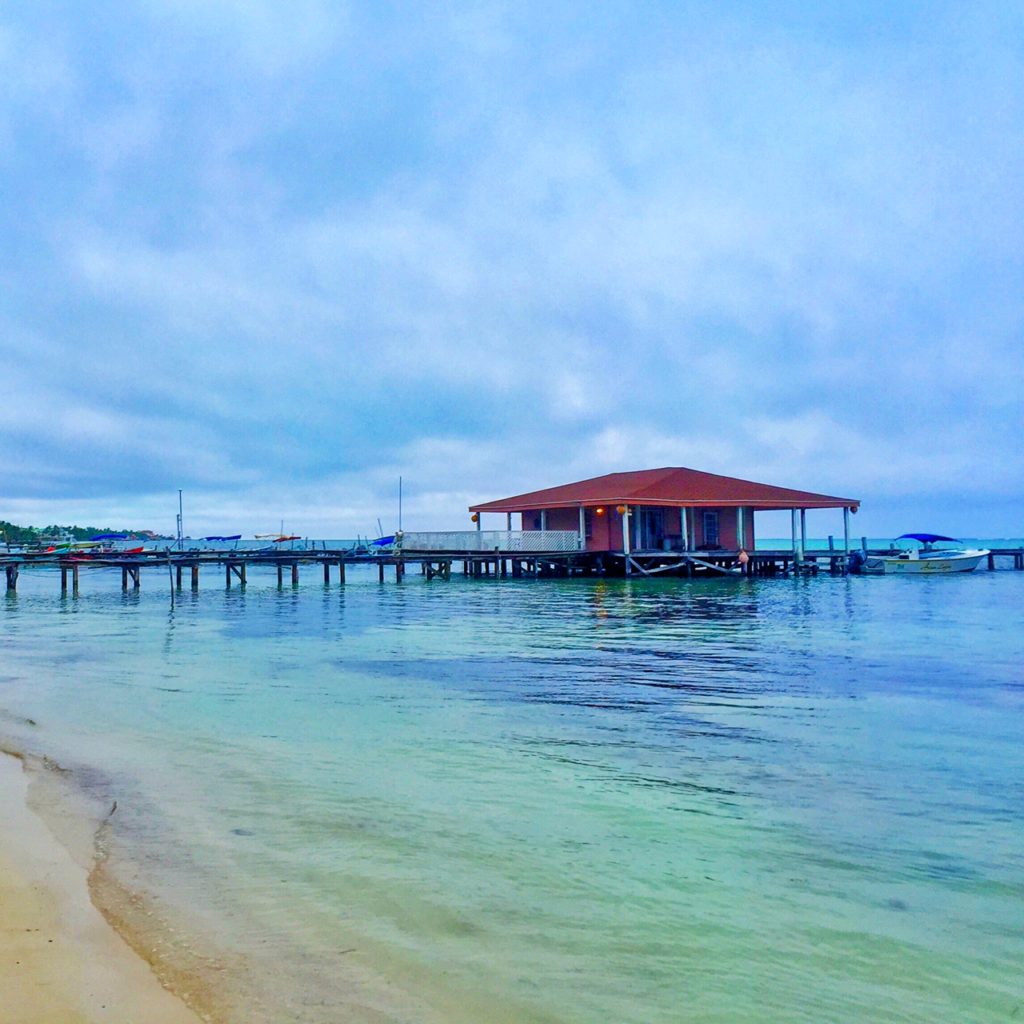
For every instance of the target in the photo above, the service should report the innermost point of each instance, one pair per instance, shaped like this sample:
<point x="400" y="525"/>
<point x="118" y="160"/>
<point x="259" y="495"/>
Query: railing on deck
<point x="527" y="541"/>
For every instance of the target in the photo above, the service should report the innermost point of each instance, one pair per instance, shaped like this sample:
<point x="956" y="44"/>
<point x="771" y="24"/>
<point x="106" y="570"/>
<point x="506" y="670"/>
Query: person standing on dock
<point x="743" y="561"/>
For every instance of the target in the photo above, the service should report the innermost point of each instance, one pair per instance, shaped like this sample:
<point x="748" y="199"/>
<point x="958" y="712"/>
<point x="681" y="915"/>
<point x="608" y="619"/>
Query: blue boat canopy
<point x="383" y="541"/>
<point x="235" y="536"/>
<point x="926" y="538"/>
<point x="110" y="536"/>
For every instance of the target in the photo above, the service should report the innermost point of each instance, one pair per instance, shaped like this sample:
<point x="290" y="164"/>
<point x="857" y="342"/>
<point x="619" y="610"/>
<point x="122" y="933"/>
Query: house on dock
<point x="672" y="520"/>
<point x="660" y="510"/>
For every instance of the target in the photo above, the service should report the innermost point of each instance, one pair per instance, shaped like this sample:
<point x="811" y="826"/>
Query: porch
<point x="504" y="542"/>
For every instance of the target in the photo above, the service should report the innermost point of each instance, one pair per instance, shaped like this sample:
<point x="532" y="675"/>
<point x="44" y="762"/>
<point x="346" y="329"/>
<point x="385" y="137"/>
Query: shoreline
<point x="60" y="957"/>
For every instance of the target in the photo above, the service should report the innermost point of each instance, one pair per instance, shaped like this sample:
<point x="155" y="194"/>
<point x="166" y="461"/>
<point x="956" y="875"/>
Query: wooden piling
<point x="63" y="579"/>
<point x="380" y="572"/>
<point x="124" y="578"/>
<point x="295" y="574"/>
<point x="74" y="579"/>
<point x="12" y="577"/>
<point x="195" y="576"/>
<point x="327" y="573"/>
<point x="341" y="571"/>
<point x="280" y="575"/>
<point x="177" y="577"/>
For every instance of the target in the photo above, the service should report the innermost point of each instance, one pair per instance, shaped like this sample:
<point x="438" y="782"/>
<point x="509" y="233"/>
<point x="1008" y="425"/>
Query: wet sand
<point x="59" y="958"/>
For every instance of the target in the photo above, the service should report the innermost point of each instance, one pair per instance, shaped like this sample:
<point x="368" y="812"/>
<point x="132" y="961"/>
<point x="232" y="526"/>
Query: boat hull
<point x="930" y="565"/>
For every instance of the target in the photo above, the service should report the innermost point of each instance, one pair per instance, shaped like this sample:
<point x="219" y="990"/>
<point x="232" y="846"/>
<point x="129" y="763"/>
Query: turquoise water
<point x="556" y="801"/>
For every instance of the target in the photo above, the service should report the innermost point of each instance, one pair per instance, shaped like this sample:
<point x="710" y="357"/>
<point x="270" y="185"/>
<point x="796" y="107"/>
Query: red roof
<point x="669" y="486"/>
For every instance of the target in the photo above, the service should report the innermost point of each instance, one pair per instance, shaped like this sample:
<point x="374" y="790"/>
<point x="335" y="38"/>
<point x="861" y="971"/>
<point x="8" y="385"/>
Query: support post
<point x="124" y="579"/>
<point x="195" y="576"/>
<point x="327" y="573"/>
<point x="803" y="533"/>
<point x="227" y="575"/>
<point x="242" y="576"/>
<point x="295" y="574"/>
<point x="508" y="521"/>
<point x="74" y="579"/>
<point x="583" y="529"/>
<point x="625" y="538"/>
<point x="177" y="576"/>
<point x="793" y="525"/>
<point x="341" y="571"/>
<point x="846" y="532"/>
<point x="380" y="572"/>
<point x="741" y="540"/>
<point x="63" y="579"/>
<point x="280" y="575"/>
<point x="543" y="519"/>
<point x="685" y="524"/>
<point x="12" y="577"/>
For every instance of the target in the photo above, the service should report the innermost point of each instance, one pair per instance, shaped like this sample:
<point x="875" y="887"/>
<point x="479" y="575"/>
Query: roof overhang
<point x="757" y="506"/>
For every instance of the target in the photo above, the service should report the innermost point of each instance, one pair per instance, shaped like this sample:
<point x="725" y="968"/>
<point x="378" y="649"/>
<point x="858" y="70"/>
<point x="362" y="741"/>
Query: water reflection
<point x="565" y="798"/>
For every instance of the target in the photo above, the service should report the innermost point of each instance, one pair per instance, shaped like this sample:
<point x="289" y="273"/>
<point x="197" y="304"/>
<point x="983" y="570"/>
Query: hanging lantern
<point x="621" y="509"/>
<point x="599" y="511"/>
<point x="474" y="518"/>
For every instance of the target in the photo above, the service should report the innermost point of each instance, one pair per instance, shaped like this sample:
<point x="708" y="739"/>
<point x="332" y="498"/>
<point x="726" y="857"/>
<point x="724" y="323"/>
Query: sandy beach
<point x="59" y="958"/>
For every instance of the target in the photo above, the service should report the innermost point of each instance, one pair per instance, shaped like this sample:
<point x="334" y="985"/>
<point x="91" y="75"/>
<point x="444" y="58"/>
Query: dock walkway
<point x="234" y="565"/>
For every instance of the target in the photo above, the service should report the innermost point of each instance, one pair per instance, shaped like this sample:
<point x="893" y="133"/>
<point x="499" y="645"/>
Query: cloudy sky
<point x="278" y="254"/>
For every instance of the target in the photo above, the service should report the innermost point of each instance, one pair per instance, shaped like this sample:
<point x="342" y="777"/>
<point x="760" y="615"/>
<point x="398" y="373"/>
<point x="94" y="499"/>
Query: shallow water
<point x="559" y="801"/>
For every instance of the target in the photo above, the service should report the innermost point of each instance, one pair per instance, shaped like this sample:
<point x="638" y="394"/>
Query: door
<point x="652" y="521"/>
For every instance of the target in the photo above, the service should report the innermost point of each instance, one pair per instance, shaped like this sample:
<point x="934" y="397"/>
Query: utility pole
<point x="181" y="524"/>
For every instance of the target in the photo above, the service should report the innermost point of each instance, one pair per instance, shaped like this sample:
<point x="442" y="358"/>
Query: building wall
<point x="605" y="531"/>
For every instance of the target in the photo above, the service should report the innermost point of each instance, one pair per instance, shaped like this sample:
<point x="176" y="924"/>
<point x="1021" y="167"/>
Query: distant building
<point x="671" y="509"/>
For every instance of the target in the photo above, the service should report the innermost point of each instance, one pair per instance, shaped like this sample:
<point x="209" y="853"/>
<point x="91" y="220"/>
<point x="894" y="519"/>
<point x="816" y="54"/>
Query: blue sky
<point x="278" y="255"/>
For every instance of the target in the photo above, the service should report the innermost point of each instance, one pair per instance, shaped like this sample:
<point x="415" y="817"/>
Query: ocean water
<point x="579" y="801"/>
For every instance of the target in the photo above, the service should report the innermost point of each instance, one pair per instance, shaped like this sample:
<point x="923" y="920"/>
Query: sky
<point x="280" y="255"/>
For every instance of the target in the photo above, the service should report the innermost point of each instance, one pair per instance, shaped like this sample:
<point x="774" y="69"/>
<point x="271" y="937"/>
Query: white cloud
<point x="316" y="241"/>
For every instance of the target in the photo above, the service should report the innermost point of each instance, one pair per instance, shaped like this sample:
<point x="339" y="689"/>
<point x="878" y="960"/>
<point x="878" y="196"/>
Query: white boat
<point x="925" y="560"/>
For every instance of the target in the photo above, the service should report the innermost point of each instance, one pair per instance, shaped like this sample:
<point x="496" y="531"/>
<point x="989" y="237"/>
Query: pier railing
<point x="505" y="541"/>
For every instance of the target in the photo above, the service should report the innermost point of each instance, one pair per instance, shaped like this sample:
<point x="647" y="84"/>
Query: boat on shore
<point x="926" y="560"/>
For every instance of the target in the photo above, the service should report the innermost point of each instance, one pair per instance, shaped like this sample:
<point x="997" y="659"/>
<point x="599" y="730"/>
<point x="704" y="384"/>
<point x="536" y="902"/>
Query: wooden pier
<point x="234" y="566"/>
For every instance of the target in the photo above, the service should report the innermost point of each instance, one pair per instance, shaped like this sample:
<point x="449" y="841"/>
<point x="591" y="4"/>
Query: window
<point x="711" y="530"/>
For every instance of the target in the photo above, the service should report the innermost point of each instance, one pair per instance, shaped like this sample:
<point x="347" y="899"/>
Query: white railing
<point x="534" y="541"/>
